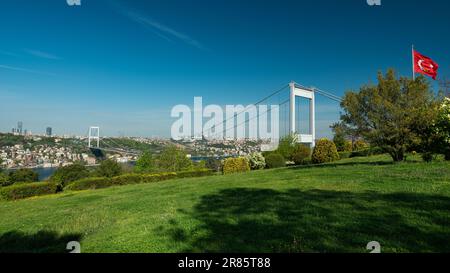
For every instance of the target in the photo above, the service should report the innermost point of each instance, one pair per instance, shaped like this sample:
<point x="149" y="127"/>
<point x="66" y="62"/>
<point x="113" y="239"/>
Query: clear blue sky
<point x="122" y="65"/>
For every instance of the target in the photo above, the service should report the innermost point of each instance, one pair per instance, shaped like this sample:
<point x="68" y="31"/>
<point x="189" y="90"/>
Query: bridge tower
<point x="94" y="134"/>
<point x="297" y="91"/>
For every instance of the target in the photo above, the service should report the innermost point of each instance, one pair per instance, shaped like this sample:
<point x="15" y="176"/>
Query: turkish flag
<point x="425" y="65"/>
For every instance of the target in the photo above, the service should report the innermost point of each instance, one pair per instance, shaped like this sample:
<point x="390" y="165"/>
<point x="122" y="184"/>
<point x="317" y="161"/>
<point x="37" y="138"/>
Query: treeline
<point x="171" y="163"/>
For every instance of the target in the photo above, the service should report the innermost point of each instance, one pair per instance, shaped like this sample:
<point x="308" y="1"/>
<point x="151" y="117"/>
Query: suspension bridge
<point x="287" y="98"/>
<point x="107" y="144"/>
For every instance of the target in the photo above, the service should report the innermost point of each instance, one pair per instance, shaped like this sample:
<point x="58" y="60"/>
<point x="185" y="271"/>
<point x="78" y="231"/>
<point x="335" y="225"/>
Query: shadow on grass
<point x="40" y="242"/>
<point x="265" y="220"/>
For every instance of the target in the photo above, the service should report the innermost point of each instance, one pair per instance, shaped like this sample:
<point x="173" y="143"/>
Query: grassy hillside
<point x="332" y="208"/>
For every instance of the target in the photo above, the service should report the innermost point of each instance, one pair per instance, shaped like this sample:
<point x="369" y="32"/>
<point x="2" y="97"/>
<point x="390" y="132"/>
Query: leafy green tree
<point x="286" y="146"/>
<point x="23" y="175"/>
<point x="173" y="159"/>
<point x="301" y="154"/>
<point x="340" y="134"/>
<point x="199" y="165"/>
<point x="145" y="163"/>
<point x="109" y="168"/>
<point x="64" y="175"/>
<point x="391" y="114"/>
<point x="442" y="128"/>
<point x="4" y="180"/>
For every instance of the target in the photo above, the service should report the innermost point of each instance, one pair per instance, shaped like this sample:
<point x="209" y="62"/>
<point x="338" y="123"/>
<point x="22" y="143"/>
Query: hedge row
<point x="24" y="190"/>
<point x="104" y="182"/>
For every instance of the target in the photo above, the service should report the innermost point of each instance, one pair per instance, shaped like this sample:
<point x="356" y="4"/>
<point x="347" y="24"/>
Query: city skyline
<point x="122" y="65"/>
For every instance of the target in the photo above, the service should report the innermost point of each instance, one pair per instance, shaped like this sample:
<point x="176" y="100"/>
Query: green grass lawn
<point x="332" y="208"/>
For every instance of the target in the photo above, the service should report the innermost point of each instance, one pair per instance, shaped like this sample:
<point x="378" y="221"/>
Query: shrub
<point x="194" y="173"/>
<point x="257" y="161"/>
<point x="214" y="164"/>
<point x="427" y="156"/>
<point x="131" y="178"/>
<point x="324" y="151"/>
<point x="236" y="165"/>
<point x="108" y="168"/>
<point x="24" y="190"/>
<point x="90" y="183"/>
<point x="4" y="180"/>
<point x="301" y="154"/>
<point x="344" y="155"/>
<point x="275" y="160"/>
<point x="348" y="146"/>
<point x="199" y="165"/>
<point x="360" y="145"/>
<point x="64" y="175"/>
<point x="23" y="175"/>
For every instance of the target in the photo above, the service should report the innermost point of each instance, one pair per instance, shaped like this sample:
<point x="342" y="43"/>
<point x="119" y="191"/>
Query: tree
<point x="391" y="114"/>
<point x="286" y="146"/>
<point x="4" y="180"/>
<point x="23" y="175"/>
<point x="340" y="135"/>
<point x="109" y="168"/>
<point x="441" y="129"/>
<point x="173" y="159"/>
<point x="301" y="154"/>
<point x="145" y="163"/>
<point x="343" y="134"/>
<point x="444" y="84"/>
<point x="64" y="175"/>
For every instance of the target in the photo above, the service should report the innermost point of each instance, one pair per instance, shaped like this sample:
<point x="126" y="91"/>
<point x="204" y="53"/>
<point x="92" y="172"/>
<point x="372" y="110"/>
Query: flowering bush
<point x="443" y="126"/>
<point x="257" y="161"/>
<point x="444" y="120"/>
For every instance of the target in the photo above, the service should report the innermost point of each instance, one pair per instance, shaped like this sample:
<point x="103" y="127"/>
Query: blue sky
<point x="123" y="65"/>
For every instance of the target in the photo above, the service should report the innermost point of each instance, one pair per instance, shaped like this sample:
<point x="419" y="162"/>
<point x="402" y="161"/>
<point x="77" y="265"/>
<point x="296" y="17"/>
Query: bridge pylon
<point x="94" y="134"/>
<point x="298" y="91"/>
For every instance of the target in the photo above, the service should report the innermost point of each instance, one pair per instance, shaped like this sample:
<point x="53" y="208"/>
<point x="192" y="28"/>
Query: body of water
<point x="45" y="173"/>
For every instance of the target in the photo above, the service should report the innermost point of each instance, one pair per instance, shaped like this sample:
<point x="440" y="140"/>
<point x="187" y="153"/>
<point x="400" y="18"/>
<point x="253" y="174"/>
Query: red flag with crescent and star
<point x="425" y="65"/>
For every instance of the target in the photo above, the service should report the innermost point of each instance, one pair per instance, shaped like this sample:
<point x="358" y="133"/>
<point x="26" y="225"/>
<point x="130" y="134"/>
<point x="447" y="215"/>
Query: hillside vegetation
<point x="336" y="207"/>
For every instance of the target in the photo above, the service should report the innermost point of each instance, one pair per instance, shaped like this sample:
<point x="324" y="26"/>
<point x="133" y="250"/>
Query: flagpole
<point x="412" y="55"/>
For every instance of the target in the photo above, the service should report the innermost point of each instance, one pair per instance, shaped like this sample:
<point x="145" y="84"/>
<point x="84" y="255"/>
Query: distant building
<point x="48" y="131"/>
<point x="19" y="127"/>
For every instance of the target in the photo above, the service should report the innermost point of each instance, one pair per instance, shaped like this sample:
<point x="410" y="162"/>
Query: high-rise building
<point x="19" y="127"/>
<point x="48" y="131"/>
